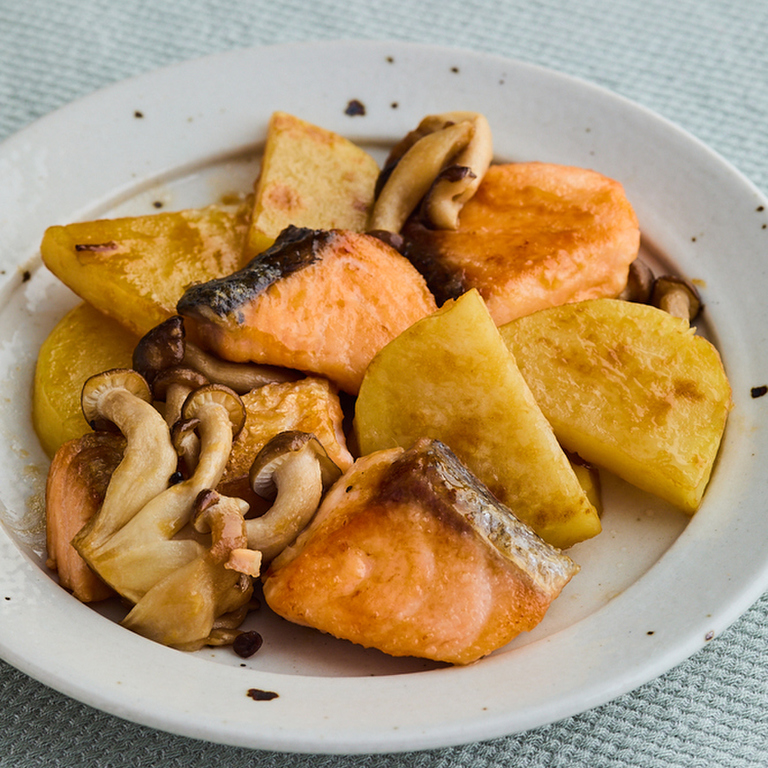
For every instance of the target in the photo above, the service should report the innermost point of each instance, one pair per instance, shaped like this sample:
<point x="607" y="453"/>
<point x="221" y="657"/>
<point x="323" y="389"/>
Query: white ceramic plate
<point x="654" y="587"/>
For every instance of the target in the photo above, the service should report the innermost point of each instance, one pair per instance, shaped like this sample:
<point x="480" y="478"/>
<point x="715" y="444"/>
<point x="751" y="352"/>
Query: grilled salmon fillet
<point x="320" y="301"/>
<point x="75" y="489"/>
<point x="534" y="235"/>
<point x="409" y="553"/>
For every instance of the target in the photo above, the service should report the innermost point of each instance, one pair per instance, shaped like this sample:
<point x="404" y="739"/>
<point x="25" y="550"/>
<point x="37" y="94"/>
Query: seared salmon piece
<point x="409" y="553"/>
<point x="319" y="301"/>
<point x="534" y="235"/>
<point x="77" y="481"/>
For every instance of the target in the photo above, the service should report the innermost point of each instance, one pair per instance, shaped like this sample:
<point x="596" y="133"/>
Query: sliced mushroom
<point x="143" y="551"/>
<point x="677" y="296"/>
<point x="223" y="518"/>
<point x="186" y="442"/>
<point x="241" y="377"/>
<point x="201" y="602"/>
<point x="162" y="347"/>
<point x="166" y="347"/>
<point x="121" y="397"/>
<point x="294" y="469"/>
<point x="457" y="140"/>
<point x="173" y="385"/>
<point x="639" y="283"/>
<point x="458" y="182"/>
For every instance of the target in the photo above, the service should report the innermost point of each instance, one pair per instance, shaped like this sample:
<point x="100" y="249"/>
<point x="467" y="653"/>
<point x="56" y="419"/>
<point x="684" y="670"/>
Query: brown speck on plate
<point x="455" y="69"/>
<point x="26" y="275"/>
<point x="355" y="108"/>
<point x="709" y="636"/>
<point x="258" y="695"/>
<point x="759" y="391"/>
<point x="138" y="114"/>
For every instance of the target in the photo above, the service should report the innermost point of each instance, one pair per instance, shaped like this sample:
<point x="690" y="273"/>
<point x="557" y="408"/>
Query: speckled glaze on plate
<point x="654" y="587"/>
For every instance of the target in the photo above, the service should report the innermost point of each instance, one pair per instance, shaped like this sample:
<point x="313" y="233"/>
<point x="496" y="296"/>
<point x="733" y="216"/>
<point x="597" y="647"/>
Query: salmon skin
<point x="411" y="554"/>
<point x="294" y="249"/>
<point x="323" y="302"/>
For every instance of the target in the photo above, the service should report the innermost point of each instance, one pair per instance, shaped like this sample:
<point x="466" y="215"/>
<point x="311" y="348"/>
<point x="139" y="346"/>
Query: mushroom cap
<point x="99" y="384"/>
<point x="639" y="283"/>
<point x="206" y="499"/>
<point x="392" y="239"/>
<point x="160" y="348"/>
<point x="441" y="164"/>
<point x="181" y="432"/>
<point x="280" y="449"/>
<point x="220" y="394"/>
<point x="176" y="374"/>
<point x="667" y="286"/>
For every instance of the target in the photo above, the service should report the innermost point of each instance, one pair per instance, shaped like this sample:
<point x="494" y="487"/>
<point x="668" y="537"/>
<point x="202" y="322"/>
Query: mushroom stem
<point x="202" y="601"/>
<point x="677" y="296"/>
<point x="413" y="176"/>
<point x="676" y="304"/>
<point x="143" y="551"/>
<point x="241" y="377"/>
<point x="300" y="489"/>
<point x="174" y="399"/>
<point x="295" y="467"/>
<point x="149" y="459"/>
<point x="443" y="161"/>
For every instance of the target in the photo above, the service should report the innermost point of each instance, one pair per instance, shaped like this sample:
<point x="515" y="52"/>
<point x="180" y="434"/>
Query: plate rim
<point x="423" y="736"/>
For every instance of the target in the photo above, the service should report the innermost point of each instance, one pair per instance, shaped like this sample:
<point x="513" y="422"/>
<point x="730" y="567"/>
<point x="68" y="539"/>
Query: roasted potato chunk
<point x="451" y="378"/>
<point x="309" y="177"/>
<point x="84" y="342"/>
<point x="630" y="388"/>
<point x="135" y="269"/>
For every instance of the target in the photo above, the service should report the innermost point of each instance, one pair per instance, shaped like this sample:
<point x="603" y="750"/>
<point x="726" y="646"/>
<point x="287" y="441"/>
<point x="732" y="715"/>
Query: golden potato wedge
<point x="135" y="269"/>
<point x="84" y="342"/>
<point x="534" y="235"/>
<point x="309" y="177"/>
<point x="630" y="388"/>
<point x="451" y="378"/>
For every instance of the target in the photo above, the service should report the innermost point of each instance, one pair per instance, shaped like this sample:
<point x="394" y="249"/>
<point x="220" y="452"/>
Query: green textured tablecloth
<point x="701" y="63"/>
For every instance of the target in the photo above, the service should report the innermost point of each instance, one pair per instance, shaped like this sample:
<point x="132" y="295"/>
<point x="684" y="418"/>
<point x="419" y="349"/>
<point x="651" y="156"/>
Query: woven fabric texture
<point x="703" y="64"/>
